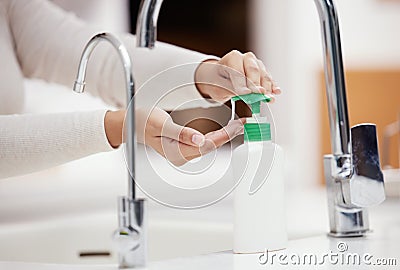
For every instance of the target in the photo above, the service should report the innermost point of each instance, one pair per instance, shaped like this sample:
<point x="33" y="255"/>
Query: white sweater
<point x="40" y="40"/>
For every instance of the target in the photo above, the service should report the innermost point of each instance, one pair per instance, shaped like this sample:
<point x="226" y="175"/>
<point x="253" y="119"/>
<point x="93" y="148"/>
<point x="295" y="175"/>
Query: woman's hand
<point x="178" y="144"/>
<point x="234" y="74"/>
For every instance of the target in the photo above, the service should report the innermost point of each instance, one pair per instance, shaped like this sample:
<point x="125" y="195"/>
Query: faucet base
<point x="344" y="220"/>
<point x="348" y="222"/>
<point x="349" y="234"/>
<point x="131" y="236"/>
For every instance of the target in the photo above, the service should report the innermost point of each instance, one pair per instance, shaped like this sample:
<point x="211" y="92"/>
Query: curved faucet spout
<point x="79" y="84"/>
<point x="79" y="87"/>
<point x="334" y="78"/>
<point x="146" y="26"/>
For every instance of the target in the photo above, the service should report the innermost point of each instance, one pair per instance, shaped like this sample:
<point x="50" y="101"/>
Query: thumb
<point x="182" y="134"/>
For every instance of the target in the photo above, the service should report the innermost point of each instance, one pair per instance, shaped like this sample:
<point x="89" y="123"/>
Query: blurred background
<point x="286" y="36"/>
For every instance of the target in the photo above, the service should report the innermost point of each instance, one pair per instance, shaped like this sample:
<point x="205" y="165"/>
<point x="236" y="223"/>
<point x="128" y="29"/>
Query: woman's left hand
<point x="234" y="74"/>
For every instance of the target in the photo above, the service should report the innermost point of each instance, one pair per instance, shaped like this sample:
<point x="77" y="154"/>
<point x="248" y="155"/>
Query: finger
<point x="272" y="100"/>
<point x="226" y="134"/>
<point x="177" y="153"/>
<point x="266" y="80"/>
<point x="252" y="72"/>
<point x="276" y="89"/>
<point x="188" y="152"/>
<point x="182" y="134"/>
<point x="172" y="151"/>
<point x="213" y="141"/>
<point x="233" y="63"/>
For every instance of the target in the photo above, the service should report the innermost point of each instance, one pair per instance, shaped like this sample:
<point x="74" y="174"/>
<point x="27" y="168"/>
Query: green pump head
<point x="256" y="128"/>
<point x="254" y="99"/>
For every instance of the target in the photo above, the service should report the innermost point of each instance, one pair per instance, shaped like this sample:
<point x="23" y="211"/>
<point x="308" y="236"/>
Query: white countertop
<point x="383" y="242"/>
<point x="372" y="250"/>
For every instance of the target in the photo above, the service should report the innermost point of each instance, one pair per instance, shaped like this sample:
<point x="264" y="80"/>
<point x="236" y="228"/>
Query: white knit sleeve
<point x="49" y="43"/>
<point x="31" y="142"/>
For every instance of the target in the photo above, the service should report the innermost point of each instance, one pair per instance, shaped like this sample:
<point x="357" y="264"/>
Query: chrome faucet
<point x="353" y="175"/>
<point x="352" y="172"/>
<point x="131" y="236"/>
<point x="146" y="25"/>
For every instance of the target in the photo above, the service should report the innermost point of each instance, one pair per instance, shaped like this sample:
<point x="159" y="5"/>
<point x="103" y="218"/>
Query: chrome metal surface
<point x="146" y="25"/>
<point x="334" y="78"/>
<point x="353" y="176"/>
<point x="366" y="186"/>
<point x="79" y="86"/>
<point x="131" y="238"/>
<point x="344" y="220"/>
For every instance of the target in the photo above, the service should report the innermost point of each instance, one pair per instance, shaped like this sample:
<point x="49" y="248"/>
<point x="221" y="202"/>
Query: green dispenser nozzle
<point x="255" y="129"/>
<point x="254" y="99"/>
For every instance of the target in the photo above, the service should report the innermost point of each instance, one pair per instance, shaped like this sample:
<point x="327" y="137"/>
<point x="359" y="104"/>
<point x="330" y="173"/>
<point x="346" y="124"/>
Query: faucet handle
<point x="366" y="186"/>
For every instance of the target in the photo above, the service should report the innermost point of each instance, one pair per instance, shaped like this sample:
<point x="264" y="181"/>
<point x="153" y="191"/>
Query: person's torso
<point x="11" y="78"/>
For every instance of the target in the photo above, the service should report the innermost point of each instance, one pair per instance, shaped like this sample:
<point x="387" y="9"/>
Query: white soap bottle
<point x="259" y="204"/>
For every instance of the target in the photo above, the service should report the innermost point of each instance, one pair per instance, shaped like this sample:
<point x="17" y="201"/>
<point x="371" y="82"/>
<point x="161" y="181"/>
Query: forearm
<point x="30" y="143"/>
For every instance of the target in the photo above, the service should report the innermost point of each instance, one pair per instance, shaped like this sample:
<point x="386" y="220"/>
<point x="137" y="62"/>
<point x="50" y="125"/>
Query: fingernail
<point x="198" y="139"/>
<point x="277" y="90"/>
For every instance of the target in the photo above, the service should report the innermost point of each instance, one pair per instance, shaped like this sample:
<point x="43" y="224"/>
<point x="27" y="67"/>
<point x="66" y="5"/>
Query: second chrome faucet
<point x="352" y="172"/>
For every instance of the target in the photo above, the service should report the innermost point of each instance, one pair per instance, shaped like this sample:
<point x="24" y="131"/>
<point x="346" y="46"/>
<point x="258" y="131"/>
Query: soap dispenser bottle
<point x="259" y="207"/>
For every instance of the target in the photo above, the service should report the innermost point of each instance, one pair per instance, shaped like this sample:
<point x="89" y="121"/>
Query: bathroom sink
<point x="86" y="239"/>
<point x="64" y="217"/>
<point x="61" y="216"/>
<point x="375" y="250"/>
